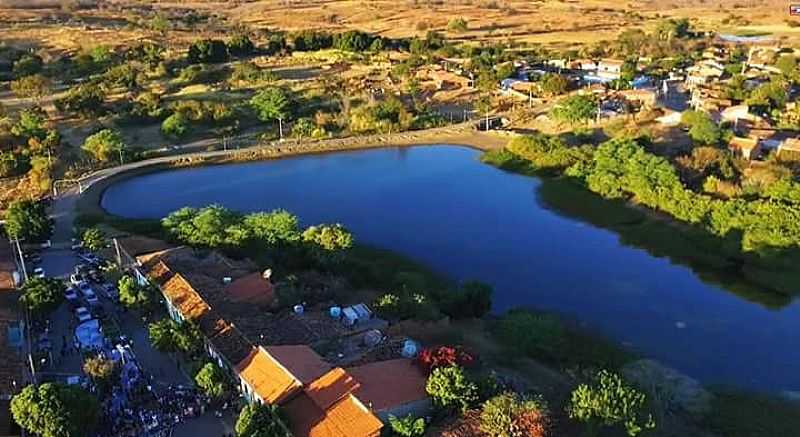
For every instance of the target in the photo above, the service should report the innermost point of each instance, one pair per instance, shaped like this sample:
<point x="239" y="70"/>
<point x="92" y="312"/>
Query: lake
<point x="441" y="206"/>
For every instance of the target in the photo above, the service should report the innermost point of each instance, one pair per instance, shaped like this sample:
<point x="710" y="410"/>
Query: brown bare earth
<point x="555" y="23"/>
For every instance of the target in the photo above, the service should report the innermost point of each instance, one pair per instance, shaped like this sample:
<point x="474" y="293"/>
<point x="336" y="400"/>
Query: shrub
<point x="405" y="305"/>
<point x="256" y="420"/>
<point x="104" y="145"/>
<point x="212" y="380"/>
<point x="208" y="51"/>
<point x="450" y="388"/>
<point x="531" y="333"/>
<point x="241" y="45"/>
<point x="472" y="300"/>
<point x="443" y="356"/>
<point x="457" y="25"/>
<point x="271" y="104"/>
<point x="610" y="402"/>
<point x="509" y="415"/>
<point x="407" y="426"/>
<point x="175" y="125"/>
<point x="85" y="99"/>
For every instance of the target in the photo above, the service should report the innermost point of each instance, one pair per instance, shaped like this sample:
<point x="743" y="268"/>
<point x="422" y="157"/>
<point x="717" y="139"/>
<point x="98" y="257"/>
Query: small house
<point x="748" y="148"/>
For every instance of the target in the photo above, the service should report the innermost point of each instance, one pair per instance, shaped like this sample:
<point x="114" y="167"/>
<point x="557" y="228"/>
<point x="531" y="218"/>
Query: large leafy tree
<point x="450" y="388"/>
<point x="208" y="51"/>
<point x="271" y="104"/>
<point x="31" y="124"/>
<point x="278" y="227"/>
<point x="133" y="295"/>
<point x="509" y="415"/>
<point x="407" y="426"/>
<point x="610" y="402"/>
<point x="575" y="109"/>
<point x="553" y="84"/>
<point x="256" y="420"/>
<point x="212" y="226"/>
<point x="34" y="86"/>
<point x="167" y="335"/>
<point x="55" y="410"/>
<point x="93" y="239"/>
<point x="328" y="243"/>
<point x="702" y="129"/>
<point x="28" y="220"/>
<point x="104" y="145"/>
<point x="42" y="295"/>
<point x="85" y="99"/>
<point x="99" y="368"/>
<point x="212" y="380"/>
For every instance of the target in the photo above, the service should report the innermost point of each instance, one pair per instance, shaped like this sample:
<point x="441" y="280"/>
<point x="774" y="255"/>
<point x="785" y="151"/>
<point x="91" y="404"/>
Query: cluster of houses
<point x="271" y="364"/>
<point x="706" y="81"/>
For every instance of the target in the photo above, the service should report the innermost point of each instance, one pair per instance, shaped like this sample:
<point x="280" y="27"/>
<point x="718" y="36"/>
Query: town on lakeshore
<point x="364" y="218"/>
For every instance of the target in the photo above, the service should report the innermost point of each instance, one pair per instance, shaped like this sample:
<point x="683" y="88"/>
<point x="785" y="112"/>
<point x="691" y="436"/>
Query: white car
<point x="75" y="279"/>
<point x="38" y="272"/>
<point x="82" y="314"/>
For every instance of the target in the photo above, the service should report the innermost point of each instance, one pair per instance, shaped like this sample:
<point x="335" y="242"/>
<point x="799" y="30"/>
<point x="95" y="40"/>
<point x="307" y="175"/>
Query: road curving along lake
<point x="441" y="206"/>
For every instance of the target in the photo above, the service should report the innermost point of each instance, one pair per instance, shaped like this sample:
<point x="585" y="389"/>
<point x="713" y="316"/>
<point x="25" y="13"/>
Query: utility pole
<point x="119" y="256"/>
<point x="280" y="128"/>
<point x="21" y="259"/>
<point x="121" y="162"/>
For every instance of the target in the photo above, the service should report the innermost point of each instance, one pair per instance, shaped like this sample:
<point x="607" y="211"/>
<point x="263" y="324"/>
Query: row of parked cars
<point x="84" y="284"/>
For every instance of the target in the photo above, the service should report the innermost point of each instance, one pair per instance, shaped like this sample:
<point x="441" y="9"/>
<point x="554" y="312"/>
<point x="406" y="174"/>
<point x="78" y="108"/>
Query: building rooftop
<point x="327" y="408"/>
<point x="406" y="380"/>
<point x="267" y="377"/>
<point x="253" y="288"/>
<point x="300" y="360"/>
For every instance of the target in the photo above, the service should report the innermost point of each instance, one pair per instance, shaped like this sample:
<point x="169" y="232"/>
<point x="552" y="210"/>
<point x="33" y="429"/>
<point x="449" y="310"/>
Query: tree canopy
<point x="212" y="380"/>
<point x="93" y="239"/>
<point x="208" y="51"/>
<point x="133" y="295"/>
<point x="450" y="388"/>
<point x="28" y="220"/>
<point x="256" y="420"/>
<point x="104" y="145"/>
<point x="271" y="104"/>
<point x="55" y="410"/>
<point x="42" y="295"/>
<point x="609" y="402"/>
<point x="575" y="109"/>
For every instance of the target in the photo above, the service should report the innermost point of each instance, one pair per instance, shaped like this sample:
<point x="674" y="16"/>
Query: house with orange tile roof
<point x="271" y="375"/>
<point x="407" y="382"/>
<point x="328" y="408"/>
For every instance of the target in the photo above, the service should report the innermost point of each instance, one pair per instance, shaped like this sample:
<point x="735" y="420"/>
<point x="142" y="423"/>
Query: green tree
<point x="208" y="51"/>
<point x="133" y="295"/>
<point x="27" y="65"/>
<point x="407" y="426"/>
<point x="329" y="237"/>
<point x="457" y="25"/>
<point x="162" y="335"/>
<point x="104" y="145"/>
<point x="176" y="125"/>
<point x="42" y="296"/>
<point x="538" y="335"/>
<point x="212" y="227"/>
<point x="241" y="45"/>
<point x="450" y="388"/>
<point x="509" y="415"/>
<point x="788" y="66"/>
<point x="303" y="128"/>
<point x="472" y="300"/>
<point x="353" y="41"/>
<point x="213" y="381"/>
<point x="28" y="220"/>
<point x="256" y="420"/>
<point x="271" y="104"/>
<point x="34" y="86"/>
<point x="86" y="99"/>
<point x="31" y="124"/>
<point x="609" y="402"/>
<point x="702" y="129"/>
<point x="553" y="84"/>
<point x="55" y="410"/>
<point x="575" y="109"/>
<point x="93" y="239"/>
<point x="123" y="75"/>
<point x="769" y="96"/>
<point x="276" y="228"/>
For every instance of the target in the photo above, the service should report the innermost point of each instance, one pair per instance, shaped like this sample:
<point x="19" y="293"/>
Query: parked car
<point x="38" y="272"/>
<point x="82" y="314"/>
<point x="71" y="294"/>
<point x="89" y="296"/>
<point x="76" y="278"/>
<point x="95" y="276"/>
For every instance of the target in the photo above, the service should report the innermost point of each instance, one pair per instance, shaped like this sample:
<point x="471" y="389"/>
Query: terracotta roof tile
<point x="331" y="387"/>
<point x="300" y="360"/>
<point x="346" y="418"/>
<point x="252" y="288"/>
<point x="268" y="378"/>
<point x="407" y="383"/>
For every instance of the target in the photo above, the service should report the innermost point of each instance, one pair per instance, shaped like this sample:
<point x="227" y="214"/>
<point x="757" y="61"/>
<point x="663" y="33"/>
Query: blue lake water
<point x="441" y="206"/>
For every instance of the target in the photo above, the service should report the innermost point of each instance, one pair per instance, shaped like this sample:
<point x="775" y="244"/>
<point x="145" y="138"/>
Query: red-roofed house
<point x="407" y="382"/>
<point x="273" y="374"/>
<point x="328" y="408"/>
<point x="254" y="288"/>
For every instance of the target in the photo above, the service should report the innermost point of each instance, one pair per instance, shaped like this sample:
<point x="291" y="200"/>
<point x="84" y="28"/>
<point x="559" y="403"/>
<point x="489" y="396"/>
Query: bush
<point x="241" y="45"/>
<point x="407" y="426"/>
<point x="443" y="356"/>
<point x="472" y="300"/>
<point x="610" y="402"/>
<point x="85" y="99"/>
<point x="213" y="381"/>
<point x="509" y="415"/>
<point x="405" y="305"/>
<point x="28" y="220"/>
<point x="175" y="125"/>
<point x="450" y="388"/>
<point x="537" y="335"/>
<point x="104" y="145"/>
<point x="271" y="104"/>
<point x="256" y="420"/>
<point x="208" y="51"/>
<point x="457" y="25"/>
<point x="575" y="109"/>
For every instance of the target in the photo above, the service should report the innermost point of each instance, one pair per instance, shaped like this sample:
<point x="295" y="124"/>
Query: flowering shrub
<point x="443" y="356"/>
